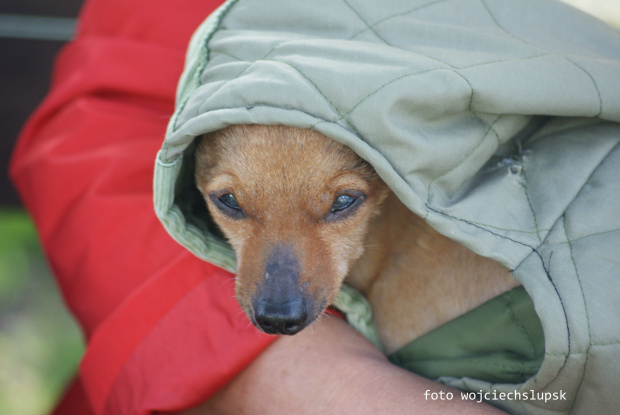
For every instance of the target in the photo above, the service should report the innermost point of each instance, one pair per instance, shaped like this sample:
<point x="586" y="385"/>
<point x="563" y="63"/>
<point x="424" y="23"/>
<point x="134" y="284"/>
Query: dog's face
<point x="295" y="206"/>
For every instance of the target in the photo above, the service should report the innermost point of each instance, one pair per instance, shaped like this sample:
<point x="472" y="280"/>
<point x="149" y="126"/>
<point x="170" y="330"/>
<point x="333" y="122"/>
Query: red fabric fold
<point x="163" y="329"/>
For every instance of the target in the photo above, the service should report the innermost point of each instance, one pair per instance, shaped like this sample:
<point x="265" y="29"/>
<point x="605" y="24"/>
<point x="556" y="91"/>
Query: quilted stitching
<point x="586" y="309"/>
<point x="343" y="115"/>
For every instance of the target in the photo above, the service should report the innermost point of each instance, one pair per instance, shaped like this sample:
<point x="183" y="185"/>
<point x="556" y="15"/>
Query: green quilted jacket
<point x="497" y="121"/>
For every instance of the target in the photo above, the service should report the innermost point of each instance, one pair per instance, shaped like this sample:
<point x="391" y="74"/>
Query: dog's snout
<point x="281" y="304"/>
<point x="281" y="318"/>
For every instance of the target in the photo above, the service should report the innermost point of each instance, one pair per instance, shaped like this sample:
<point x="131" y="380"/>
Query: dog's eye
<point x="345" y="205"/>
<point x="342" y="202"/>
<point x="227" y="204"/>
<point x="229" y="200"/>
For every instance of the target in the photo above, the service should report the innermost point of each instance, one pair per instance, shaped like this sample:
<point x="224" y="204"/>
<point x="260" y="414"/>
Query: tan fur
<point x="286" y="180"/>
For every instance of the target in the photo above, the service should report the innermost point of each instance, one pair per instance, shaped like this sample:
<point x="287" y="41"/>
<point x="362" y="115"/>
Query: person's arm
<point x="330" y="368"/>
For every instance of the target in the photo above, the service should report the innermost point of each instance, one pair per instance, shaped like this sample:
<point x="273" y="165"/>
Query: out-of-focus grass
<point x="40" y="343"/>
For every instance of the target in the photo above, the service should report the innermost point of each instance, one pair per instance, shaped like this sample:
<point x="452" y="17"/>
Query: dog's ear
<point x="205" y="158"/>
<point x="211" y="148"/>
<point x="202" y="161"/>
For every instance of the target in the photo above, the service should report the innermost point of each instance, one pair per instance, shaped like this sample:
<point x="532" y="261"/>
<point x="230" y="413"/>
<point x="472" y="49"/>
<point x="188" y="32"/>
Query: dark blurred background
<point x="31" y="34"/>
<point x="40" y="343"/>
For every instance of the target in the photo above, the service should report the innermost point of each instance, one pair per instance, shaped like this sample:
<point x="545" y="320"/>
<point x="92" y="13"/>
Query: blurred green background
<point x="40" y="343"/>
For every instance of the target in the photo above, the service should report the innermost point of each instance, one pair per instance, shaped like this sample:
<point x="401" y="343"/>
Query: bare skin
<point x="331" y="369"/>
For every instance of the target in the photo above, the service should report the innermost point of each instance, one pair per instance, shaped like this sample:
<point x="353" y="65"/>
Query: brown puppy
<point x="303" y="212"/>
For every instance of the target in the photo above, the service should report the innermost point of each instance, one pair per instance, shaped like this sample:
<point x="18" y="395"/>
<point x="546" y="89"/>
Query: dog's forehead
<point x="276" y="155"/>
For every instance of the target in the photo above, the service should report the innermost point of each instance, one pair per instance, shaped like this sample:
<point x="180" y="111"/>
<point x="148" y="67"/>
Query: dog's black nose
<point x="280" y="318"/>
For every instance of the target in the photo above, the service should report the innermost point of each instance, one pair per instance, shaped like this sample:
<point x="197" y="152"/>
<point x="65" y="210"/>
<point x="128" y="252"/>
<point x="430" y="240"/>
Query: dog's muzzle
<point x="280" y="305"/>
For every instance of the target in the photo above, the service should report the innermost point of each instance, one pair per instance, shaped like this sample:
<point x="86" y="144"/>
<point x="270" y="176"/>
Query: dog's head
<point x="295" y="206"/>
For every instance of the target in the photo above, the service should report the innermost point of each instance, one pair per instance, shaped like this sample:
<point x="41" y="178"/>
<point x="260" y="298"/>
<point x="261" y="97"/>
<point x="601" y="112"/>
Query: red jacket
<point x="164" y="331"/>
